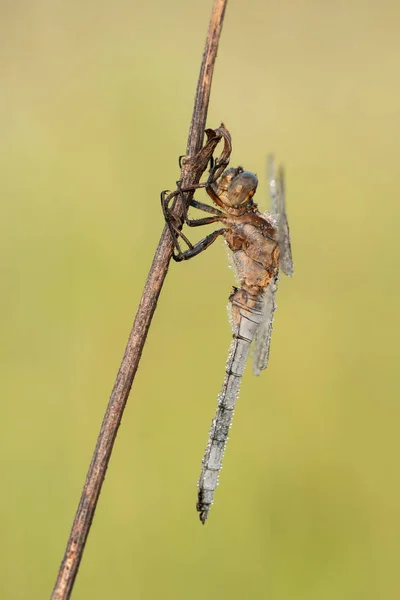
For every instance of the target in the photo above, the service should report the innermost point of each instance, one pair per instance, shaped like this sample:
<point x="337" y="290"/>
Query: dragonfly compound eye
<point x="242" y="189"/>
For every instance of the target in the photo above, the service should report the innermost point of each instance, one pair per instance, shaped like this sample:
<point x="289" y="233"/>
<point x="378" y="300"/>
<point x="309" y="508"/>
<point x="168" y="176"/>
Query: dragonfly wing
<point x="262" y="338"/>
<point x="277" y="194"/>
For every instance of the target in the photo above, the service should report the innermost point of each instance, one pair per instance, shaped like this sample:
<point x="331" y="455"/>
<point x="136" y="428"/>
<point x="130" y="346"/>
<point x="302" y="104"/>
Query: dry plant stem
<point x="192" y="170"/>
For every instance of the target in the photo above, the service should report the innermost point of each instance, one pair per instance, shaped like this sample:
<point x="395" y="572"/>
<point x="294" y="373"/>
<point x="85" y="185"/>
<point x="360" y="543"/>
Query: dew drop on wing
<point x="276" y="186"/>
<point x="268" y="216"/>
<point x="262" y="341"/>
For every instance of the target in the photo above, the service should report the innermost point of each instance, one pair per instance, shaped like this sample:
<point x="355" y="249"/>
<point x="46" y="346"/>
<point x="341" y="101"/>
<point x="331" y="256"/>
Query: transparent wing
<point x="277" y="194"/>
<point x="262" y="338"/>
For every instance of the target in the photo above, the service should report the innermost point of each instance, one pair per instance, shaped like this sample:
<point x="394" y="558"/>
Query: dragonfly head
<point x="236" y="187"/>
<point x="241" y="189"/>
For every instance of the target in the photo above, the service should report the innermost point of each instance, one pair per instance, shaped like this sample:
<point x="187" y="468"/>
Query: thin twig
<point x="192" y="170"/>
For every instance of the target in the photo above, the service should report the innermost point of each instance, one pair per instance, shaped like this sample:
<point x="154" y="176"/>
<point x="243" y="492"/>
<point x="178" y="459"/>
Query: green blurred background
<point x="95" y="105"/>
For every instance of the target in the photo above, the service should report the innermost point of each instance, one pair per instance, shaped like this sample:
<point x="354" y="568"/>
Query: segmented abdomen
<point x="247" y="314"/>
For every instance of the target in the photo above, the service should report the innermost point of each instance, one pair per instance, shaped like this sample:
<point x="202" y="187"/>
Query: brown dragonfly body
<point x="260" y="245"/>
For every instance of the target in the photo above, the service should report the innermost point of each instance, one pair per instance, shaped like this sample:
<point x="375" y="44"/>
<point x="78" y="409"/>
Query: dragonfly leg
<point x="216" y="165"/>
<point x="166" y="196"/>
<point x="199" y="222"/>
<point x="206" y="207"/>
<point x="200" y="246"/>
<point x="173" y="221"/>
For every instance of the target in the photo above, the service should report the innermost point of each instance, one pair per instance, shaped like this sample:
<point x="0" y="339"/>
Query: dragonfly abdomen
<point x="246" y="316"/>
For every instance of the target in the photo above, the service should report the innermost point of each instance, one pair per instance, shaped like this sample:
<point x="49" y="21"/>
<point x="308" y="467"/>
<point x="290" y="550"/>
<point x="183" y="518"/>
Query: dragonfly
<point x="261" y="249"/>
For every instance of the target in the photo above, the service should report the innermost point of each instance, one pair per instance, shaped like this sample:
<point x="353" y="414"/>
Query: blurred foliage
<point x="94" y="111"/>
